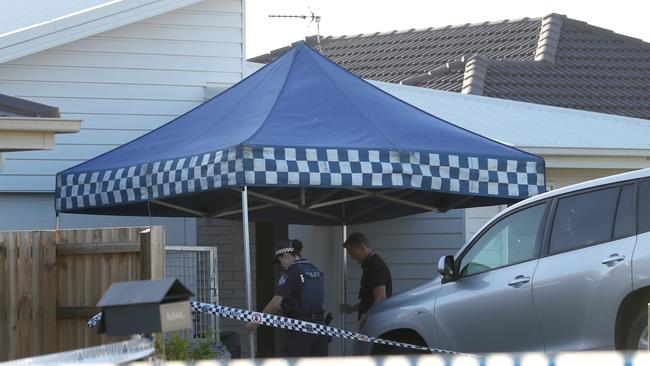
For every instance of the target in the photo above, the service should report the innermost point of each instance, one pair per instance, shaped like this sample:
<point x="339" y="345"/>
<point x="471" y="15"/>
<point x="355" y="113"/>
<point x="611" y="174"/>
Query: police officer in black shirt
<point x="376" y="281"/>
<point x="300" y="294"/>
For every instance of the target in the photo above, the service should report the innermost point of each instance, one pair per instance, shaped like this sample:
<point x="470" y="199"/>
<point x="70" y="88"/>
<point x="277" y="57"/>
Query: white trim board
<point x="82" y="24"/>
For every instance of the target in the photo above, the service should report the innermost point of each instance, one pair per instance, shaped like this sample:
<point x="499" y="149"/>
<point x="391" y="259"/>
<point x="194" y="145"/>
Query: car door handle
<point x="613" y="259"/>
<point x="519" y="280"/>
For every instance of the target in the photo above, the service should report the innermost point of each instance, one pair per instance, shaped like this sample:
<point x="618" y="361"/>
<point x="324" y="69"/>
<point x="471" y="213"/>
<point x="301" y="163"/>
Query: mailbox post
<point x="145" y="307"/>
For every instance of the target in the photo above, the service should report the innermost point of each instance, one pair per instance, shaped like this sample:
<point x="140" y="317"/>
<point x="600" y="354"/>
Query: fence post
<point x="12" y="291"/>
<point x="145" y="254"/>
<point x="50" y="293"/>
<point x="152" y="253"/>
<point x="157" y="252"/>
<point x="36" y="290"/>
<point x="152" y="267"/>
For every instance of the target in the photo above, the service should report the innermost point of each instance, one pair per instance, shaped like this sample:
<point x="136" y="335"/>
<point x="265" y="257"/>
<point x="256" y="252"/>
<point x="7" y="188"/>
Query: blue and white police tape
<point x="292" y="324"/>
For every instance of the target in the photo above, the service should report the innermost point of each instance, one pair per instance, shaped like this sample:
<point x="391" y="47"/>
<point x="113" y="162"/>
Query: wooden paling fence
<point x="51" y="280"/>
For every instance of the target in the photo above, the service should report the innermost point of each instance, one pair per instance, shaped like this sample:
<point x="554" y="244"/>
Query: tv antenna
<point x="313" y="19"/>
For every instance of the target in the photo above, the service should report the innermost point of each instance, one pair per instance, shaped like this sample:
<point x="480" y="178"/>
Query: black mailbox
<point x="138" y="307"/>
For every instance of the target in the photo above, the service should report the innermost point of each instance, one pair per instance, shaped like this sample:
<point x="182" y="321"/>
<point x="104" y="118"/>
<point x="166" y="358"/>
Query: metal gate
<point x="196" y="267"/>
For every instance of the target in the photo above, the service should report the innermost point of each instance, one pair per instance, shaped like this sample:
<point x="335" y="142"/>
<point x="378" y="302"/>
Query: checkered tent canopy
<point x="314" y="144"/>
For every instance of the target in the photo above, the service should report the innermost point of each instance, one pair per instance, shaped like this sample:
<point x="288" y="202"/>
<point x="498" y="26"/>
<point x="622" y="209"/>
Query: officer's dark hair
<point x="356" y="239"/>
<point x="297" y="247"/>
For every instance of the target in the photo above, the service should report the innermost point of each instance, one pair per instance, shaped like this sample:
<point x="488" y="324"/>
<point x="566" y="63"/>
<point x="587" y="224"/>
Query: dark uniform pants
<point x="300" y="344"/>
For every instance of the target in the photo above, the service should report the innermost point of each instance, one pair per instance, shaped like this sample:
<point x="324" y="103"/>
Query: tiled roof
<point x="552" y="60"/>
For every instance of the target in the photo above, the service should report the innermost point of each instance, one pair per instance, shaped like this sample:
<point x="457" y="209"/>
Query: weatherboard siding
<point x="123" y="83"/>
<point x="35" y="211"/>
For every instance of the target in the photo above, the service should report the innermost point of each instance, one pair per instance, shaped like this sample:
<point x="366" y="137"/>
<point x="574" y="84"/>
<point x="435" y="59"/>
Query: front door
<point x="489" y="307"/>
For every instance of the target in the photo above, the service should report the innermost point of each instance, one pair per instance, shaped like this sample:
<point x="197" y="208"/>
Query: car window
<point x="625" y="224"/>
<point x="583" y="219"/>
<point x="512" y="240"/>
<point x="644" y="206"/>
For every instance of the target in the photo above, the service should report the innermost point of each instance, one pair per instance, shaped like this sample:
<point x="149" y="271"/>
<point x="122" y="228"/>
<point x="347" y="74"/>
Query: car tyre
<point x="637" y="335"/>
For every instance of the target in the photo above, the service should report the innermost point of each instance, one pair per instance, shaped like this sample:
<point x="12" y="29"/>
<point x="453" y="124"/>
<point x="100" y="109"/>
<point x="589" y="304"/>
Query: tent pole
<point x="247" y="262"/>
<point x="345" y="285"/>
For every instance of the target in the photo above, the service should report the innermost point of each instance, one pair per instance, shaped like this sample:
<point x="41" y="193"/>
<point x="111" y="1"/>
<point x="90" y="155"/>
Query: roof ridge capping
<point x="312" y="40"/>
<point x="475" y="73"/>
<point x="416" y="30"/>
<point x="549" y="37"/>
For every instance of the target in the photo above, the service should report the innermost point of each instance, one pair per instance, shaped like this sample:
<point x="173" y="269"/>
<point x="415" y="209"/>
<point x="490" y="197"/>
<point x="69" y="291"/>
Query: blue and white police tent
<point x="144" y="307"/>
<point x="314" y="144"/>
<point x="307" y="143"/>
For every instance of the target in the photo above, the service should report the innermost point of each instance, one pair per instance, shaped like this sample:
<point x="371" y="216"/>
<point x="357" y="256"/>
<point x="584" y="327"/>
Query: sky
<point x="351" y="17"/>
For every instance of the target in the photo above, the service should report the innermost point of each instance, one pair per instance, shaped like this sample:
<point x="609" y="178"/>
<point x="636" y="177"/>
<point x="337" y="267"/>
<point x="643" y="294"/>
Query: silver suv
<point x="565" y="270"/>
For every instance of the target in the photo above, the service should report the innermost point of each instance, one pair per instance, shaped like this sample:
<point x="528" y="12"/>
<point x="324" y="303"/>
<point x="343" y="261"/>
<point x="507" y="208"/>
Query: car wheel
<point x="643" y="340"/>
<point x="637" y="336"/>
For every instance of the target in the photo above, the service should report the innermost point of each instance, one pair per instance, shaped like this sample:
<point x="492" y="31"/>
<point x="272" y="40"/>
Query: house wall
<point x="476" y="217"/>
<point x="124" y="83"/>
<point x="559" y="177"/>
<point x="410" y="245"/>
<point x="228" y="237"/>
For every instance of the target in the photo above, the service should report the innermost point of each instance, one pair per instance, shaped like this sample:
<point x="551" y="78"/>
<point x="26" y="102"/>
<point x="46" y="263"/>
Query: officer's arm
<point x="379" y="293"/>
<point x="274" y="305"/>
<point x="271" y="308"/>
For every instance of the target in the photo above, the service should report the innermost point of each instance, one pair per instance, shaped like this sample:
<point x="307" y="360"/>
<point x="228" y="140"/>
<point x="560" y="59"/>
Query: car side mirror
<point x="446" y="266"/>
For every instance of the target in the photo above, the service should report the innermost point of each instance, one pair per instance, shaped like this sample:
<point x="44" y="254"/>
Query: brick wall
<point x="227" y="236"/>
